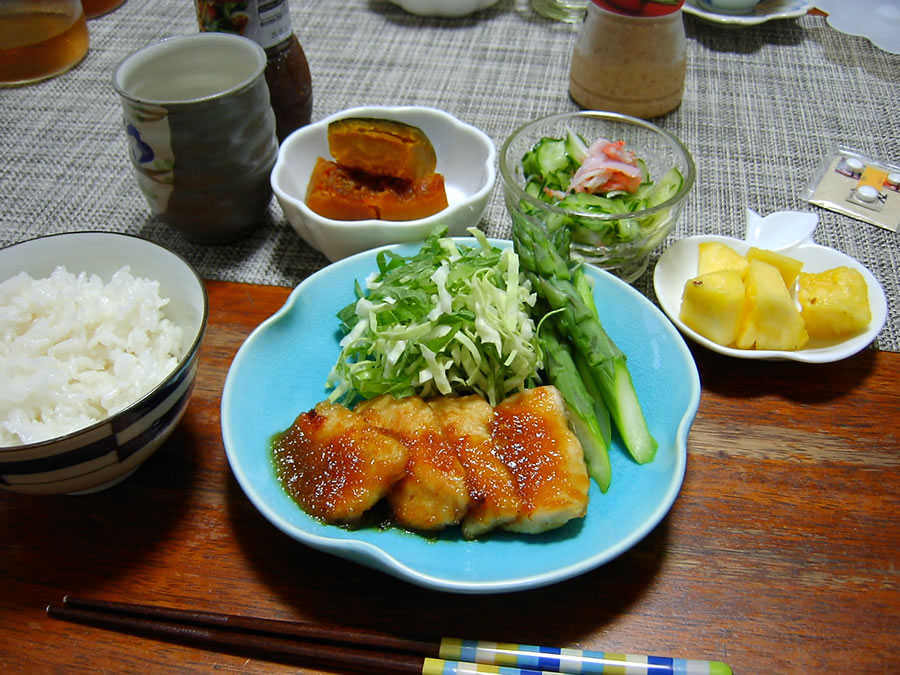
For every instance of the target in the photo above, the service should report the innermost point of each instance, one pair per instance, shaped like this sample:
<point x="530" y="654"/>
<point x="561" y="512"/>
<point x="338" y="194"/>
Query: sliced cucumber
<point x="551" y="156"/>
<point x="583" y="201"/>
<point x="666" y="188"/>
<point x="576" y="147"/>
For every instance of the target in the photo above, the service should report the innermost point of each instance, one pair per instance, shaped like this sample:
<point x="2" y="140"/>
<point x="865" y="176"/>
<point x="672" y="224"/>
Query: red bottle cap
<point x="640" y="7"/>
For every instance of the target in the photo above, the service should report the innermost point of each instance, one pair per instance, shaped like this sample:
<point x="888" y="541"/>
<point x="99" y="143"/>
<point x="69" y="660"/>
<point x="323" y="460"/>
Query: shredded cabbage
<point x="449" y="319"/>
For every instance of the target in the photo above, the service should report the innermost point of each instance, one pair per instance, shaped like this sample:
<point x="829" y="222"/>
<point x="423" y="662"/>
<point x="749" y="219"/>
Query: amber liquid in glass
<point x="95" y="8"/>
<point x="38" y="45"/>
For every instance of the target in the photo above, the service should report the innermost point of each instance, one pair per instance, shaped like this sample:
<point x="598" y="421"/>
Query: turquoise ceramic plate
<point x="281" y="370"/>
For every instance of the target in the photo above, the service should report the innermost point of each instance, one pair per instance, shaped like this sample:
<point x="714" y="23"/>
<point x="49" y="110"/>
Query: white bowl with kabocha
<point x="801" y="302"/>
<point x="370" y="176"/>
<point x="456" y="413"/>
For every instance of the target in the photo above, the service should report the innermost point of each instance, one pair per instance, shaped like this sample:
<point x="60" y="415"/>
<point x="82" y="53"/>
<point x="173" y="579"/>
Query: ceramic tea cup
<point x="201" y="132"/>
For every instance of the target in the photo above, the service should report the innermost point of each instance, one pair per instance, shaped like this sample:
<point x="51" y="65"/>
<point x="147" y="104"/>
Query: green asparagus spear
<point x="552" y="280"/>
<point x="589" y="416"/>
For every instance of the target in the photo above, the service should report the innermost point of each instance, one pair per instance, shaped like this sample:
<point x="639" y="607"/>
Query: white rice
<point x="74" y="350"/>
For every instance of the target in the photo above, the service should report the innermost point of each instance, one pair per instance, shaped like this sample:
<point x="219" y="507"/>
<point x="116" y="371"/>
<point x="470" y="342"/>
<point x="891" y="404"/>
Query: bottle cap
<point x="640" y="7"/>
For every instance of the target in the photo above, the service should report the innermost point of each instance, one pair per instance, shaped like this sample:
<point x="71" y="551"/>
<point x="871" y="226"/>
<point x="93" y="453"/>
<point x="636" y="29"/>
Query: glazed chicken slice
<point x="336" y="465"/>
<point x="432" y="495"/>
<point x="532" y="436"/>
<point x="493" y="500"/>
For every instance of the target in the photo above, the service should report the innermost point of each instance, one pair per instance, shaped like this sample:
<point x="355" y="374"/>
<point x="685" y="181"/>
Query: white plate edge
<point x="877" y="305"/>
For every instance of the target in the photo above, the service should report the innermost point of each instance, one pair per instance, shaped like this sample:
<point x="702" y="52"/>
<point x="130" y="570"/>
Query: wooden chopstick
<point x="272" y="638"/>
<point x="257" y="625"/>
<point x="358" y="650"/>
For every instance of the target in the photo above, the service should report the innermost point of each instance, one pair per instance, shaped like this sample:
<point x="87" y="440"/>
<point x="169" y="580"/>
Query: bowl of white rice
<point x="99" y="341"/>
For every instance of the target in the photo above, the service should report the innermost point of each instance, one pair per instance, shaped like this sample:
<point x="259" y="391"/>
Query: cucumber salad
<point x="600" y="178"/>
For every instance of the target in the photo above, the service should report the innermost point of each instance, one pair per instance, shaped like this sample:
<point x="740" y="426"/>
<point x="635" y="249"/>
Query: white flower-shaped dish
<point x="876" y="20"/>
<point x="789" y="233"/>
<point x="443" y="7"/>
<point x="466" y="157"/>
<point x="767" y="10"/>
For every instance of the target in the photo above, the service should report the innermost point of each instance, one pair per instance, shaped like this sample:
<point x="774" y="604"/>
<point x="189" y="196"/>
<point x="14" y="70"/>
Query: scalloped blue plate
<point x="280" y="371"/>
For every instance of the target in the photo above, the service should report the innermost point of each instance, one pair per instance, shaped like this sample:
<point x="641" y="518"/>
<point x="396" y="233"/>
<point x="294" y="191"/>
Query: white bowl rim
<point x="188" y="354"/>
<point x="440" y="7"/>
<point x="827" y="354"/>
<point x="371" y="111"/>
<point x="689" y="175"/>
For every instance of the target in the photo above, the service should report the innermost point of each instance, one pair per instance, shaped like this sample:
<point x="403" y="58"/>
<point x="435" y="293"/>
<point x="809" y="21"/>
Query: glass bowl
<point x="619" y="243"/>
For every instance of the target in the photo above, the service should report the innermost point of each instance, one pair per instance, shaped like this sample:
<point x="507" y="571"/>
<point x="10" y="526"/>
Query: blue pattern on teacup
<point x="141" y="153"/>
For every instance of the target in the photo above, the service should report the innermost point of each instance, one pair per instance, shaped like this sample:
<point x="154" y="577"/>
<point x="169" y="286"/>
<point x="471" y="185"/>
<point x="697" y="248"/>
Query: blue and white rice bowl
<point x="108" y="451"/>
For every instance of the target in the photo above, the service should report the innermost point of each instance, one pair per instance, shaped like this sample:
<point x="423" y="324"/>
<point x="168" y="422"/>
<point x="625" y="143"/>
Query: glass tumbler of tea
<point x="39" y="40"/>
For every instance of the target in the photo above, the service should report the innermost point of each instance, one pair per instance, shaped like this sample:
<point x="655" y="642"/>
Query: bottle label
<point x="266" y="22"/>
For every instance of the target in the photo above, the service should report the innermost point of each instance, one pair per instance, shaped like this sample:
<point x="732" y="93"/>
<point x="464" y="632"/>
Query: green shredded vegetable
<point x="449" y="319"/>
<point x="549" y="167"/>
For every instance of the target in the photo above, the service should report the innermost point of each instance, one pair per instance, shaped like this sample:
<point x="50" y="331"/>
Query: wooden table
<point x="779" y="555"/>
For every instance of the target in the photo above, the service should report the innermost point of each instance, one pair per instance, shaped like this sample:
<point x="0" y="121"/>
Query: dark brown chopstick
<point x="350" y="649"/>
<point x="272" y="638"/>
<point x="276" y="627"/>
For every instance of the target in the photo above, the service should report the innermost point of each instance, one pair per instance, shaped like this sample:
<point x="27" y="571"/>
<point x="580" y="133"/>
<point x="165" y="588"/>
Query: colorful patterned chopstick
<point x="513" y="659"/>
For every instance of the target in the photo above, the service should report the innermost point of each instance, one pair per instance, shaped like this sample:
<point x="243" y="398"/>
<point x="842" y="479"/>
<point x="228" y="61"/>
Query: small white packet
<point x="863" y="188"/>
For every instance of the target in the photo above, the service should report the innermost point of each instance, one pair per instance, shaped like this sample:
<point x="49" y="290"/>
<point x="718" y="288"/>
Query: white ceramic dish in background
<point x="274" y="375"/>
<point x="767" y="10"/>
<point x="728" y="6"/>
<point x="786" y="232"/>
<point x="876" y="20"/>
<point x="465" y="157"/>
<point x="101" y="455"/>
<point x="443" y="7"/>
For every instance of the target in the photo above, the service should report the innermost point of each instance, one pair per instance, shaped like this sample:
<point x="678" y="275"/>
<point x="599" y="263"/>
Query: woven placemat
<point x="763" y="105"/>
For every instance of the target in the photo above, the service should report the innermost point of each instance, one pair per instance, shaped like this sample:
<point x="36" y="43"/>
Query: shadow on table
<point x="274" y="252"/>
<point x="84" y="542"/>
<point x="330" y="590"/>
<point x="751" y="378"/>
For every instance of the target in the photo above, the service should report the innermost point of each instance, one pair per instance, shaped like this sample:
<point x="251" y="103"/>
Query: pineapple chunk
<point x="789" y="267"/>
<point x="712" y="304"/>
<point x="714" y="256"/>
<point x="771" y="320"/>
<point x="834" y="303"/>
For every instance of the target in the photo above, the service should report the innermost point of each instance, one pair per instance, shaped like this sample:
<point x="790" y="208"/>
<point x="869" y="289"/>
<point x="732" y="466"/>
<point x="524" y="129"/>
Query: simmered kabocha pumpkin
<point x="340" y="193"/>
<point x="383" y="170"/>
<point x="381" y="147"/>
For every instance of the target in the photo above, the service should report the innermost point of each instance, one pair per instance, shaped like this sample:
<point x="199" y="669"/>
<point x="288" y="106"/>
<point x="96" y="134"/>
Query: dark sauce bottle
<point x="268" y="22"/>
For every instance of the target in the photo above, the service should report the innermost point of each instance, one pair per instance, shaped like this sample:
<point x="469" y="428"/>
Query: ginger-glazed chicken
<point x="532" y="437"/>
<point x="336" y="465"/>
<point x="447" y="461"/>
<point x="466" y="421"/>
<point x="433" y="494"/>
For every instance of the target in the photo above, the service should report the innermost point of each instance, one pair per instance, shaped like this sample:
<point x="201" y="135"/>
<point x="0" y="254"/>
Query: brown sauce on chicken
<point x="336" y="466"/>
<point x="438" y="463"/>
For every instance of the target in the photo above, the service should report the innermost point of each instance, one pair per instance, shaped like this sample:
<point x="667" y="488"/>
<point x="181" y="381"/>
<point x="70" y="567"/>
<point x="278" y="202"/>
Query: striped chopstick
<point x="358" y="650"/>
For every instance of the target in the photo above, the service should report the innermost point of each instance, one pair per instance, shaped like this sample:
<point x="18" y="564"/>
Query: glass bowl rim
<point x="689" y="176"/>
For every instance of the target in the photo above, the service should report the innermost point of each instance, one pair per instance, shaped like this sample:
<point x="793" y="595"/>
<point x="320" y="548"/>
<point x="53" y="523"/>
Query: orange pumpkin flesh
<point x="381" y="147"/>
<point x="340" y="193"/>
